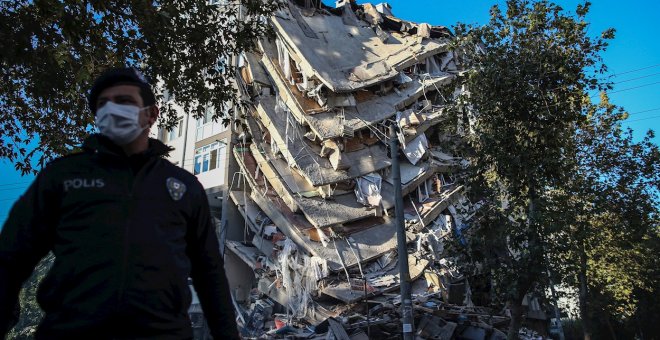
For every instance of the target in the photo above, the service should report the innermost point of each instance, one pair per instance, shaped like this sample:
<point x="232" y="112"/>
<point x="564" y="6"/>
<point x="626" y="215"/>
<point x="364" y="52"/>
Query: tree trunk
<point x="609" y="326"/>
<point x="516" y="319"/>
<point x="583" y="296"/>
<point x="524" y="280"/>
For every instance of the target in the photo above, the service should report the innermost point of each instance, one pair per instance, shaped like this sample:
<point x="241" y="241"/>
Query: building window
<point x="176" y="132"/>
<point x="210" y="157"/>
<point x="207" y="117"/>
<point x="203" y="121"/>
<point x="206" y="127"/>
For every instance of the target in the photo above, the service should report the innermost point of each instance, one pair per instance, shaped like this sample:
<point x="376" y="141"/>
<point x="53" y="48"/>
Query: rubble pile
<point x="434" y="319"/>
<point x="316" y="190"/>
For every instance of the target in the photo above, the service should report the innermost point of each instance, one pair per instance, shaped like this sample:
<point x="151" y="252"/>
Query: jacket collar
<point x="103" y="145"/>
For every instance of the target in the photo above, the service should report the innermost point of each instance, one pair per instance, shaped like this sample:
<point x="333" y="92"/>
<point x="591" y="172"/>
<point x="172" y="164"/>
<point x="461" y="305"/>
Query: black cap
<point x="121" y="76"/>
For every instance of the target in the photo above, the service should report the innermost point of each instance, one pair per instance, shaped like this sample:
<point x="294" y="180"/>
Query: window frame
<point x="203" y="157"/>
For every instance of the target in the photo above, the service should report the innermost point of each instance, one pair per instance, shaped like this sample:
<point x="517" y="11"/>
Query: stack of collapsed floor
<point x="318" y="199"/>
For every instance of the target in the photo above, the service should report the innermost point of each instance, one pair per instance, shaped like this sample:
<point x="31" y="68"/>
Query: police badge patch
<point x="176" y="188"/>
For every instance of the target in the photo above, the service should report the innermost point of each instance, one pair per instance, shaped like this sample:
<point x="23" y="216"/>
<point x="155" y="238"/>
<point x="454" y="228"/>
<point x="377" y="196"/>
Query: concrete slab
<point x="347" y="57"/>
<point x="319" y="212"/>
<point x="248" y="254"/>
<point x="342" y="290"/>
<point x="296" y="183"/>
<point x="256" y="70"/>
<point x="413" y="175"/>
<point x="431" y="208"/>
<point x="369" y="244"/>
<point x="373" y="111"/>
<point x="316" y="169"/>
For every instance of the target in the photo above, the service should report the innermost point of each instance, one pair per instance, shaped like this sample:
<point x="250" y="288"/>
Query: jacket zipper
<point x="134" y="180"/>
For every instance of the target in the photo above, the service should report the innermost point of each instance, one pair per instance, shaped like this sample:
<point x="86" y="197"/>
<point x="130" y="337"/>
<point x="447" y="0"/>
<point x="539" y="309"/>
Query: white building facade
<point x="200" y="147"/>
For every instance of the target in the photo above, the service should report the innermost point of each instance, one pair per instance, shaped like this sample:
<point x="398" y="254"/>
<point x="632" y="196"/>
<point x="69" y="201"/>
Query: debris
<point x="318" y="231"/>
<point x="433" y="327"/>
<point x="336" y="330"/>
<point x="367" y="190"/>
<point x="416" y="148"/>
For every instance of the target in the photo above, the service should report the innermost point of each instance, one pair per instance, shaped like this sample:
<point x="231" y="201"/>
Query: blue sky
<point x="633" y="59"/>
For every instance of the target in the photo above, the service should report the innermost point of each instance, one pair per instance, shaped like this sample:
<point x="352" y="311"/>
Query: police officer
<point x="127" y="229"/>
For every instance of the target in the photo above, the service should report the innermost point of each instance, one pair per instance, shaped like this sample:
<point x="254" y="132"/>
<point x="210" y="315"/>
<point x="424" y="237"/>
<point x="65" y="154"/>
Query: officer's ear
<point x="153" y="112"/>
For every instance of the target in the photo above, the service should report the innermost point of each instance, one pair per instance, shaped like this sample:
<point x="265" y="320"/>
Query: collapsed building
<point x="313" y="235"/>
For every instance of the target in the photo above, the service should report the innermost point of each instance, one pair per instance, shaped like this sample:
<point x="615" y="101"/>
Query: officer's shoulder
<point x="66" y="159"/>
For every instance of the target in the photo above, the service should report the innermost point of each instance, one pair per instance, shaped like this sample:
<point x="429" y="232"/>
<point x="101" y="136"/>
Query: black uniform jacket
<point x="126" y="232"/>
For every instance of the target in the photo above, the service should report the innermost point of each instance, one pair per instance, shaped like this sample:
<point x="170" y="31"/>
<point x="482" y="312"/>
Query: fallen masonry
<point x="314" y="189"/>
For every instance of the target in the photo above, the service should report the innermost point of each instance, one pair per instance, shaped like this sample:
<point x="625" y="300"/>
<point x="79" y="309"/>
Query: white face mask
<point x="119" y="122"/>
